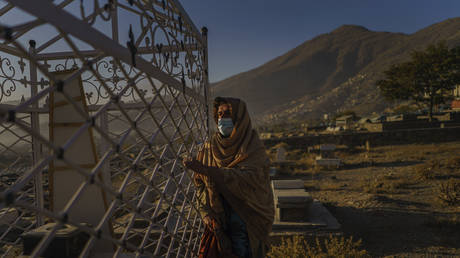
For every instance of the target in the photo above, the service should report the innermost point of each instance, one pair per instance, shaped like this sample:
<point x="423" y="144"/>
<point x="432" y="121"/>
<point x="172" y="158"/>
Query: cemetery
<point x="370" y="195"/>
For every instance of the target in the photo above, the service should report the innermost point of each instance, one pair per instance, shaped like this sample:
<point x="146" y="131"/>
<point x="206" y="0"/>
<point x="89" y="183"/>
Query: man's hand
<point x="195" y="165"/>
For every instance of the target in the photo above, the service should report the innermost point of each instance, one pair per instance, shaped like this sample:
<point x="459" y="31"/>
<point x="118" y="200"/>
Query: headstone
<point x="327" y="147"/>
<point x="327" y="157"/>
<point x="65" y="121"/>
<point x="281" y="154"/>
<point x="368" y="146"/>
<point x="328" y="162"/>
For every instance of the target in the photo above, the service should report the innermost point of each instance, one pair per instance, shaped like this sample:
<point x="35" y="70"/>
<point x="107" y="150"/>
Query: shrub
<point x="453" y="163"/>
<point x="336" y="247"/>
<point x="424" y="172"/>
<point x="449" y="192"/>
<point x="371" y="185"/>
<point x="290" y="247"/>
<point x="333" y="246"/>
<point x="384" y="184"/>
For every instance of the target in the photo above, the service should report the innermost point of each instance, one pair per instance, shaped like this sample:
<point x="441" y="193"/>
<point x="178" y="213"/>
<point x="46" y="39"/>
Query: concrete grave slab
<point x="328" y="162"/>
<point x="294" y="196"/>
<point x="319" y="220"/>
<point x="287" y="184"/>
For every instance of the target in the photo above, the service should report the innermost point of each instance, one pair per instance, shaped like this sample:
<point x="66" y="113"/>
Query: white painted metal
<point x="35" y="143"/>
<point x="194" y="29"/>
<point x="53" y="15"/>
<point x="145" y="118"/>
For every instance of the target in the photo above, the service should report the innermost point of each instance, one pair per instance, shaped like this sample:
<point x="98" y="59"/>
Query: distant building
<point x="455" y="104"/>
<point x="378" y="119"/>
<point x="456" y="92"/>
<point x="344" y="121"/>
<point x="364" y="120"/>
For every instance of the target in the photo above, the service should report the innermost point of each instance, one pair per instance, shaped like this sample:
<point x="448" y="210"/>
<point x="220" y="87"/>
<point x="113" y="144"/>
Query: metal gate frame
<point x="148" y="113"/>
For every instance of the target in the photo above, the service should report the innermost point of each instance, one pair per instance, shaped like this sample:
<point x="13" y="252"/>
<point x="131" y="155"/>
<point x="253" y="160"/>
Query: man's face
<point x="224" y="111"/>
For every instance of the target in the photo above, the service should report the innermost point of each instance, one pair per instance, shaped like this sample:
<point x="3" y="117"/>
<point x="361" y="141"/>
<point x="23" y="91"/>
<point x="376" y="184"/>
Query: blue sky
<point x="244" y="34"/>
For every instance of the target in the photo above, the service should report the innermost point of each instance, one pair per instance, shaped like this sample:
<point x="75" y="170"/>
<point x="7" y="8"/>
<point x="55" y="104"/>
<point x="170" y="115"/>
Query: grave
<point x="292" y="205"/>
<point x="280" y="163"/>
<point x="297" y="212"/>
<point x="327" y="157"/>
<point x="281" y="154"/>
<point x="291" y="200"/>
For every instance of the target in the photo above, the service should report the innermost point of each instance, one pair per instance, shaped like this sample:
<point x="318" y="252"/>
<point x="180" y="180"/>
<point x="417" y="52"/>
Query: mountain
<point x="330" y="73"/>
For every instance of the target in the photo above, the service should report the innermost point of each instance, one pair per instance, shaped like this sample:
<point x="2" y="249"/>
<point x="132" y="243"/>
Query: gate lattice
<point x="142" y="65"/>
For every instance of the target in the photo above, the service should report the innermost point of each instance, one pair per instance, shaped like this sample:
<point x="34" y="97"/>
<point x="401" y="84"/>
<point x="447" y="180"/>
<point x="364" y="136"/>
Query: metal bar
<point x="12" y="51"/>
<point x="187" y="19"/>
<point x="158" y="15"/>
<point x="91" y="108"/>
<point x="177" y="119"/>
<point x="39" y="22"/>
<point x="68" y="23"/>
<point x="104" y="145"/>
<point x="6" y="8"/>
<point x="205" y="77"/>
<point x="35" y="124"/>
<point x="92" y="53"/>
<point x="176" y="227"/>
<point x="115" y="21"/>
<point x="58" y="37"/>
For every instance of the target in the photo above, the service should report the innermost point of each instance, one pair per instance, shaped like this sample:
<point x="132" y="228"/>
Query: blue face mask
<point x="225" y="126"/>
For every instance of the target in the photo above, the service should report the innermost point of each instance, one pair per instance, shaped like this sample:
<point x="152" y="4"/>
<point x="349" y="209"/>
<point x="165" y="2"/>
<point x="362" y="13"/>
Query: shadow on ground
<point x="367" y="164"/>
<point x="390" y="232"/>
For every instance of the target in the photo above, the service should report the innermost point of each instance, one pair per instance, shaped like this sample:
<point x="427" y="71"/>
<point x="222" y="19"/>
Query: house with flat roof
<point x="344" y="121"/>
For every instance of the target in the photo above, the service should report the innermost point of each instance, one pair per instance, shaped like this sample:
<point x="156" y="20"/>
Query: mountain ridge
<point x="331" y="72"/>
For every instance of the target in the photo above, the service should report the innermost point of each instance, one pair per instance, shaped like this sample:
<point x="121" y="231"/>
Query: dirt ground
<point x="402" y="201"/>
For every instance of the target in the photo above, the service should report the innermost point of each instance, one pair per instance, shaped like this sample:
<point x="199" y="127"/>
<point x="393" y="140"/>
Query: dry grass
<point x="333" y="246"/>
<point x="376" y="190"/>
<point x="449" y="192"/>
<point x="306" y="160"/>
<point x="427" y="171"/>
<point x="452" y="163"/>
<point x="384" y="184"/>
<point x="13" y="251"/>
<point x="295" y="154"/>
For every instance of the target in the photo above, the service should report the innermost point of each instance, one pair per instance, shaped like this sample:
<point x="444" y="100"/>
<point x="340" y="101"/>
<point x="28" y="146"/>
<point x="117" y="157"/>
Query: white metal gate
<point x="142" y="65"/>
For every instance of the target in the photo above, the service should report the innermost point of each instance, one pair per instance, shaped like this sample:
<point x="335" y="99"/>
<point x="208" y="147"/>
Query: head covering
<point x="243" y="178"/>
<point x="228" y="151"/>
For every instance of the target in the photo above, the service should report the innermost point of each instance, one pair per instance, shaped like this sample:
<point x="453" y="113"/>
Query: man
<point x="233" y="185"/>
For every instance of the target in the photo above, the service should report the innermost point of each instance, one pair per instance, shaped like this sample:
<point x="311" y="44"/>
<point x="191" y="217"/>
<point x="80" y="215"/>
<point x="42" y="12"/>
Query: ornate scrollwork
<point x="97" y="11"/>
<point x="10" y="78"/>
<point x="174" y="50"/>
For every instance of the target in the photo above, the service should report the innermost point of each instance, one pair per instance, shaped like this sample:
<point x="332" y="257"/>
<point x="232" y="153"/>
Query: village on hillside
<point x="389" y="180"/>
<point x="447" y="115"/>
